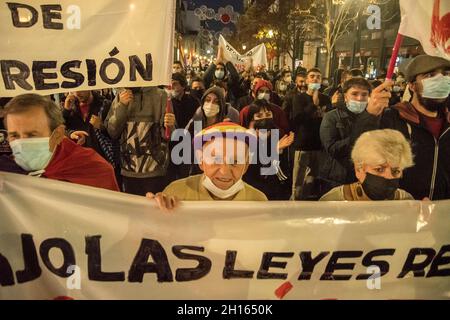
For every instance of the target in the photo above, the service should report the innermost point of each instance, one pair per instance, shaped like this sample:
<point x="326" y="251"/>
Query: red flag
<point x="73" y="163"/>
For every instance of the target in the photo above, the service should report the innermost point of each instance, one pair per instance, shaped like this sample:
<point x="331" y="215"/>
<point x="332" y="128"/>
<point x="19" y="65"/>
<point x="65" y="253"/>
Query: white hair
<point x="378" y="147"/>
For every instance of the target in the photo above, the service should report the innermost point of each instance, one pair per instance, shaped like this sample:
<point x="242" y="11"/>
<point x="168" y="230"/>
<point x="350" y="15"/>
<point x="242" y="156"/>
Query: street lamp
<point x="244" y="47"/>
<point x="270" y="33"/>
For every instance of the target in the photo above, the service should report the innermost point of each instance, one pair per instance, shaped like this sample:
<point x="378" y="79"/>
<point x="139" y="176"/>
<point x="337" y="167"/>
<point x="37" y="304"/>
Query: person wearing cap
<point x="222" y="152"/>
<point x="425" y="121"/>
<point x="262" y="89"/>
<point x="379" y="158"/>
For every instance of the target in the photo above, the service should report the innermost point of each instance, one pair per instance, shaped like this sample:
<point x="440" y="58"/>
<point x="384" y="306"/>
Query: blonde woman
<point x="379" y="158"/>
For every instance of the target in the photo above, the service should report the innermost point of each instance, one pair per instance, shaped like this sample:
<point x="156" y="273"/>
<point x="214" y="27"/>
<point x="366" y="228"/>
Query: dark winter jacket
<point x="305" y="119"/>
<point x="338" y="135"/>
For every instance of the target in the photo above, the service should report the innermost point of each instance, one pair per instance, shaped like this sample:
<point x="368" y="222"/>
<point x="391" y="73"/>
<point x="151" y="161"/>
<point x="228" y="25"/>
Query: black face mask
<point x="197" y="93"/>
<point x="379" y="188"/>
<point x="266" y="123"/>
<point x="433" y="105"/>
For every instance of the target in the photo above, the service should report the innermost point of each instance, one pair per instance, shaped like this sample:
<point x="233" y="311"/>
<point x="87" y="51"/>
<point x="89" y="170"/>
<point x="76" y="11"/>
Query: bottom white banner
<point x="61" y="239"/>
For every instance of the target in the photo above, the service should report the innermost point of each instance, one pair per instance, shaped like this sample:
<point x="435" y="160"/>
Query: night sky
<point x="216" y="4"/>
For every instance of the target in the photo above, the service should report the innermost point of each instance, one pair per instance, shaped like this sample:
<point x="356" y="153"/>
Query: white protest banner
<point x="61" y="239"/>
<point x="72" y="45"/>
<point x="428" y="22"/>
<point x="258" y="55"/>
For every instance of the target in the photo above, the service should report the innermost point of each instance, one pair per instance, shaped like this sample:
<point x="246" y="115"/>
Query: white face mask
<point x="219" y="74"/>
<point x="264" y="96"/>
<point x="357" y="106"/>
<point x="220" y="193"/>
<point x="31" y="154"/>
<point x="314" y="86"/>
<point x="437" y="87"/>
<point x="210" y="109"/>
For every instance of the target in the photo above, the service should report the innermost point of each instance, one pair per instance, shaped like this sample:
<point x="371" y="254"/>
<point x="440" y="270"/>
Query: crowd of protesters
<point x="348" y="139"/>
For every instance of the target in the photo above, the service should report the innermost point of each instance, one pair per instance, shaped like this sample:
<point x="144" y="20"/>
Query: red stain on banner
<point x="283" y="290"/>
<point x="440" y="28"/>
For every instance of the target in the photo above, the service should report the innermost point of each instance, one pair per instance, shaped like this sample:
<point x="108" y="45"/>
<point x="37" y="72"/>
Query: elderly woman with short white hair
<point x="379" y="157"/>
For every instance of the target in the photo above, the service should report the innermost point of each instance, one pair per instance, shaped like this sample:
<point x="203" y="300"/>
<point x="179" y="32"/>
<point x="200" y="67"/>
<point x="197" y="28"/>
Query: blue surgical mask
<point x="31" y="154"/>
<point x="314" y="86"/>
<point x="219" y="74"/>
<point x="437" y="87"/>
<point x="356" y="106"/>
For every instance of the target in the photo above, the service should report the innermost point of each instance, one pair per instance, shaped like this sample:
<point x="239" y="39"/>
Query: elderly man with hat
<point x="425" y="121"/>
<point x="223" y="154"/>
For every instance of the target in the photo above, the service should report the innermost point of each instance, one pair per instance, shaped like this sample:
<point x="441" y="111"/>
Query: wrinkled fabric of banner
<point x="258" y="55"/>
<point x="427" y="21"/>
<point x="253" y="248"/>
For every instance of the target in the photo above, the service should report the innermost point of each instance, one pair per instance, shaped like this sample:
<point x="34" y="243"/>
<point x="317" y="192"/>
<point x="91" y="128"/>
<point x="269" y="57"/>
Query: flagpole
<point x="169" y="109"/>
<point x="395" y="50"/>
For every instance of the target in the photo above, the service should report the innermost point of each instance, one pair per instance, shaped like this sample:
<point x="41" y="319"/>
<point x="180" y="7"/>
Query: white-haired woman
<point x="379" y="157"/>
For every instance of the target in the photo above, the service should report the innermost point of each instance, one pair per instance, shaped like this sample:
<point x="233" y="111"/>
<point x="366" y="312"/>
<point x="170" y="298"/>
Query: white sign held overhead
<point x="257" y="55"/>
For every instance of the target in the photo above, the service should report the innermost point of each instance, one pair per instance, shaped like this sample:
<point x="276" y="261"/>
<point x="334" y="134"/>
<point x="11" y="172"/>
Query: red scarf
<point x="73" y="163"/>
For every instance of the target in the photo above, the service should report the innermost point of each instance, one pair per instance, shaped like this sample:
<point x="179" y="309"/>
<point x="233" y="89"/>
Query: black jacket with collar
<point x="430" y="176"/>
<point x="338" y="133"/>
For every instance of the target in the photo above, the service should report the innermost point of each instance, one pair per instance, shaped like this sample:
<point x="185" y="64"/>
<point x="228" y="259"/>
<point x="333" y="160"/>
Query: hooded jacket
<point x="225" y="110"/>
<point x="231" y="77"/>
